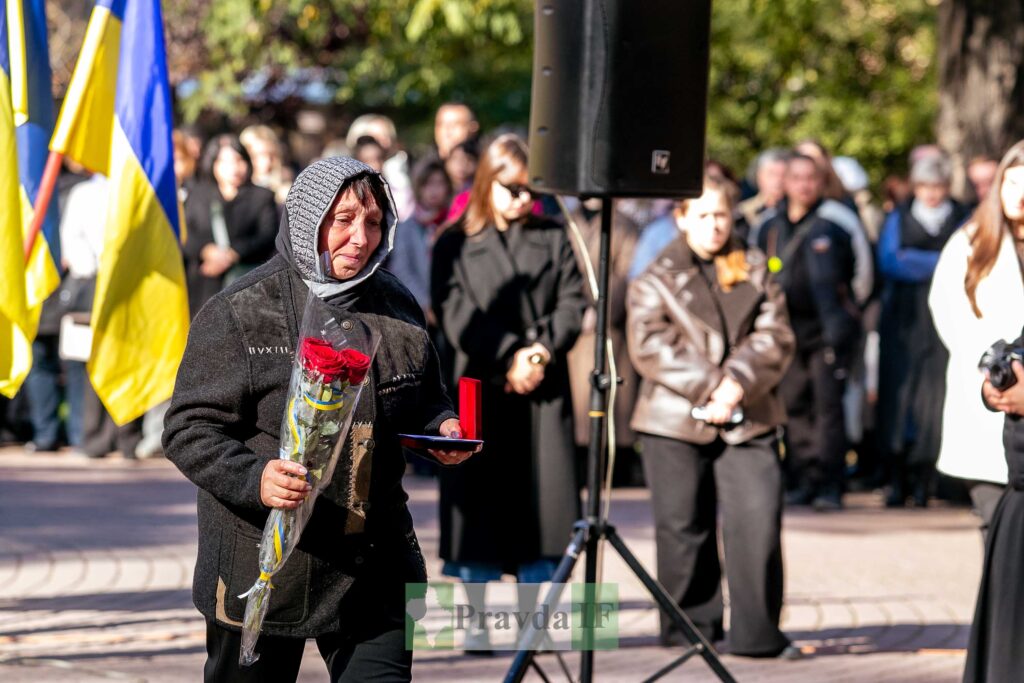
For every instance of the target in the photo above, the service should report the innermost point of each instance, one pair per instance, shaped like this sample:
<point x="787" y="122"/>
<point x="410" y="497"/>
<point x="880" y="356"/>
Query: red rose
<point x="357" y="364"/>
<point x="316" y="355"/>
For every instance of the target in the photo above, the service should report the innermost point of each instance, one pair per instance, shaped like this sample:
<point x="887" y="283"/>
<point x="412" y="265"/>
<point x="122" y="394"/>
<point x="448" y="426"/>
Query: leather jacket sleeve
<point x="660" y="350"/>
<point x="760" y="359"/>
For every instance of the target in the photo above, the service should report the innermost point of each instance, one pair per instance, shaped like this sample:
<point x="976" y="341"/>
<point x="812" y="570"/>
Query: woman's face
<point x="510" y="197"/>
<point x="184" y="164"/>
<point x="931" y="194"/>
<point x="707" y="223"/>
<point x="229" y="168"/>
<point x="434" y="193"/>
<point x="264" y="158"/>
<point x="1011" y="193"/>
<point x="350" y="233"/>
<point x="460" y="167"/>
<point x="372" y="156"/>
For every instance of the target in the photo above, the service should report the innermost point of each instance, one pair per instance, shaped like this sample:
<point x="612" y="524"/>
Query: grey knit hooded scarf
<point x="309" y="198"/>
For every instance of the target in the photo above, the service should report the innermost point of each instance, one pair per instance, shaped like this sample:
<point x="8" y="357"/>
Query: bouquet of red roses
<point x="324" y="389"/>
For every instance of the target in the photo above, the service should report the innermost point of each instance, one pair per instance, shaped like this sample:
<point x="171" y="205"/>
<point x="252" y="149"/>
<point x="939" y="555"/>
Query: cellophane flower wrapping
<point x="326" y="381"/>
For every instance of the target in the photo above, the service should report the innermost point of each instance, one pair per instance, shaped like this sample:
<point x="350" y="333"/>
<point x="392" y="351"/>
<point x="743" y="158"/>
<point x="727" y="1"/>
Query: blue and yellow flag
<point x="16" y="330"/>
<point x="26" y="123"/>
<point x="116" y="120"/>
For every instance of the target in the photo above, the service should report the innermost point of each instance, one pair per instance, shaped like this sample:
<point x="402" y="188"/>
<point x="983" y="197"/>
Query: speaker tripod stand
<point x="594" y="528"/>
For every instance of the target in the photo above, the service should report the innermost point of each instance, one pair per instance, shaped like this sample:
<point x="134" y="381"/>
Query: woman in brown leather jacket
<point x="708" y="329"/>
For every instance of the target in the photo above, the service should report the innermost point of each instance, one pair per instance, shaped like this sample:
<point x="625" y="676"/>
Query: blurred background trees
<point x="860" y="75"/>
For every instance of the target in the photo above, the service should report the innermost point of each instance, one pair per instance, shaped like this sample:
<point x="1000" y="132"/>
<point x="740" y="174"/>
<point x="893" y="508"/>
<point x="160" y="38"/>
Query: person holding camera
<point x="709" y="334"/>
<point x="993" y="652"/>
<point x="976" y="298"/>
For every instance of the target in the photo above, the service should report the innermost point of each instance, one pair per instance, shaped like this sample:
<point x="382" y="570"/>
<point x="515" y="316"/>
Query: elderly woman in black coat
<point x="509" y="298"/>
<point x="344" y="584"/>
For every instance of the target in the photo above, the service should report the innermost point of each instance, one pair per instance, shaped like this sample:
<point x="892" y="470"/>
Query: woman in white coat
<point x="977" y="298"/>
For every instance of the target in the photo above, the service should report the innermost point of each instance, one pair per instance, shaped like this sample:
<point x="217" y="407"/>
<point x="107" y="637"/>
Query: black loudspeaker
<point x="619" y="102"/>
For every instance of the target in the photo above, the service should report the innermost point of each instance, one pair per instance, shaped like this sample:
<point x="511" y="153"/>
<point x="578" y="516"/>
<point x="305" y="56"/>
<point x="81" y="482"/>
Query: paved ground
<point x="96" y="561"/>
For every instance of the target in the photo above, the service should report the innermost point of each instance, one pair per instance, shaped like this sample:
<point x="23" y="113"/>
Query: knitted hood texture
<point x="309" y="198"/>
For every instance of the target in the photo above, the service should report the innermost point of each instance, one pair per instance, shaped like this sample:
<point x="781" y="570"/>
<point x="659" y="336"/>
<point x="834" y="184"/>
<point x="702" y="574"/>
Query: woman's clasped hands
<point x="724" y="400"/>
<point x="527" y="370"/>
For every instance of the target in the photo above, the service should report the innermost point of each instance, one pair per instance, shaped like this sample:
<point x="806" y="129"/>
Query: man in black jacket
<point x="344" y="583"/>
<point x="816" y="257"/>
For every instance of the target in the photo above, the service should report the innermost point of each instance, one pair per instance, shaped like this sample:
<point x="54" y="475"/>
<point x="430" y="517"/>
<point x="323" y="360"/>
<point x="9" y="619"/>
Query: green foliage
<point x="857" y="74"/>
<point x="400" y="56"/>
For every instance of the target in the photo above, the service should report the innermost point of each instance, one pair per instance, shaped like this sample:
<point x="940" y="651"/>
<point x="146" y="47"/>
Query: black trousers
<point x="812" y="390"/>
<point x="689" y="484"/>
<point x="100" y="434"/>
<point x="379" y="656"/>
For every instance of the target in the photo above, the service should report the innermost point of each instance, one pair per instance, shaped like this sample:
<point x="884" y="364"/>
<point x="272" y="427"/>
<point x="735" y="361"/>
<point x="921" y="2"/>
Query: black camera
<point x="997" y="362"/>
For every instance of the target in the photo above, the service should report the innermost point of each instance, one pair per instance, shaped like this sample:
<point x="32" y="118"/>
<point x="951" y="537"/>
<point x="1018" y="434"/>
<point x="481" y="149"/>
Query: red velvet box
<point x="469" y="408"/>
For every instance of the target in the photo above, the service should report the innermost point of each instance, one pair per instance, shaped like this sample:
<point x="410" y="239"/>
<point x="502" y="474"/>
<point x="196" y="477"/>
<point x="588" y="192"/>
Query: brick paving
<point x="96" y="563"/>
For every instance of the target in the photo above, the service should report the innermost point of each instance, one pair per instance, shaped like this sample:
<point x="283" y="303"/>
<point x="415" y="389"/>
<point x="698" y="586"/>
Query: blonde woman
<point x="509" y="298"/>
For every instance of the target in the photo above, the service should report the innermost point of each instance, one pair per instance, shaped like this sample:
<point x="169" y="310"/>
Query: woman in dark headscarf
<point x="344" y="584"/>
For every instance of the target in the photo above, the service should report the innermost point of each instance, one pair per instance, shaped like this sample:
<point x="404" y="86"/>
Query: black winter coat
<point x="816" y="275"/>
<point x="913" y="360"/>
<point x="251" y="219"/>
<point x="223" y="427"/>
<point x="493" y="294"/>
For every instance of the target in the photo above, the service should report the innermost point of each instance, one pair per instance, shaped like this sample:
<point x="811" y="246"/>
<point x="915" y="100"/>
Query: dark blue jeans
<point x="75" y="379"/>
<point x="43" y="391"/>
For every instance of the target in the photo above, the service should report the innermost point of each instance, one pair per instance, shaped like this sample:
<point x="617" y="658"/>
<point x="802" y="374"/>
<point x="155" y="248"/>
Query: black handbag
<point x="75" y="295"/>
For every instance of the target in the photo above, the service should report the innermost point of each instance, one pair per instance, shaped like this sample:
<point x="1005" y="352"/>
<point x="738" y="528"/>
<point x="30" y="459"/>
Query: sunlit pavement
<point x="96" y="563"/>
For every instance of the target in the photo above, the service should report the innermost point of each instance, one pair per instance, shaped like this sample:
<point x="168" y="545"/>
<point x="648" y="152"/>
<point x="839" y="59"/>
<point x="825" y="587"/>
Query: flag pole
<point x="49" y="181"/>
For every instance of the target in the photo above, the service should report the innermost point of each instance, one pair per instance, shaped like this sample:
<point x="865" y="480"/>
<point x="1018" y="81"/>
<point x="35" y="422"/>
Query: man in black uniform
<point x="814" y="258"/>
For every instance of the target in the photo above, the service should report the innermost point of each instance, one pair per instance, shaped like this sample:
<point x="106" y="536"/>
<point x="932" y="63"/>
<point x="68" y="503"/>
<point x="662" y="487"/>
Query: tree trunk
<point x="981" y="80"/>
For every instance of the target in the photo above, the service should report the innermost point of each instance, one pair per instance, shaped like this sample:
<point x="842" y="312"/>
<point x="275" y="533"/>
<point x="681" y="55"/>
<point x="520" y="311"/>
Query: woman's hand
<point x="728" y="394"/>
<point x="282" y="484"/>
<point x="718" y="413"/>
<point x="1010" y="401"/>
<point x="216" y="261"/>
<point x="525" y="375"/>
<point x="453" y="430"/>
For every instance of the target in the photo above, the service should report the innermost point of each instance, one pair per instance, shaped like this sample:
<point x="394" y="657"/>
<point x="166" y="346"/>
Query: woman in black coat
<point x="231" y="222"/>
<point x="994" y="654"/>
<point x="912" y="377"/>
<point x="344" y="584"/>
<point x="508" y="295"/>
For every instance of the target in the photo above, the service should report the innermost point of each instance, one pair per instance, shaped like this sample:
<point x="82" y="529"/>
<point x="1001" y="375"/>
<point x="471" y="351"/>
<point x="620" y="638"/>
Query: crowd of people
<point x="784" y="338"/>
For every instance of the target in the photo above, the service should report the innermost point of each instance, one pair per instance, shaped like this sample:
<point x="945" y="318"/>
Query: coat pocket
<point x="289" y="601"/>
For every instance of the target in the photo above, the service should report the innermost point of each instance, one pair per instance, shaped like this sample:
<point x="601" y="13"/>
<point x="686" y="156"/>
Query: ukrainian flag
<point x="116" y="120"/>
<point x="26" y="123"/>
